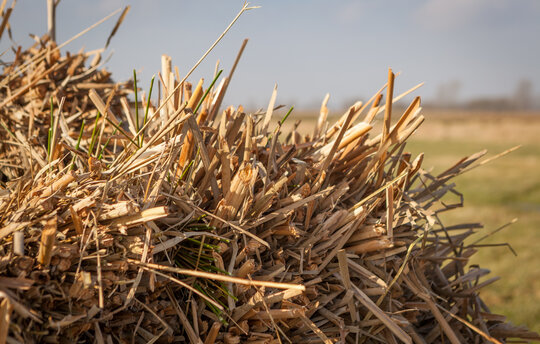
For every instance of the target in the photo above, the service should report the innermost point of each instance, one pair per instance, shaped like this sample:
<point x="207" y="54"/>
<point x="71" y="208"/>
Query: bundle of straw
<point x="179" y="221"/>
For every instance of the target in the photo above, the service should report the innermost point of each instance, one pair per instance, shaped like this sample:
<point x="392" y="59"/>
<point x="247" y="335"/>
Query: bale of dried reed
<point x="185" y="222"/>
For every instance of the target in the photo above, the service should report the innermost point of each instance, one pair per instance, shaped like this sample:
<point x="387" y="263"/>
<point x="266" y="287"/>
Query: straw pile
<point x="180" y="222"/>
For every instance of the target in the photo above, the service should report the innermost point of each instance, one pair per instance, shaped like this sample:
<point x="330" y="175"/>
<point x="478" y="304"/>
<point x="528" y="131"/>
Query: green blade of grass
<point x="182" y="176"/>
<point x="207" y="91"/>
<point x="136" y="100"/>
<point x="122" y="132"/>
<point x="201" y="227"/>
<point x="50" y="132"/>
<point x="147" y="107"/>
<point x="107" y="142"/>
<point x="213" y="308"/>
<point x="77" y="145"/>
<point x="286" y="116"/>
<point x="94" y="135"/>
<point x="205" y="245"/>
<point x="4" y="125"/>
<point x="184" y="172"/>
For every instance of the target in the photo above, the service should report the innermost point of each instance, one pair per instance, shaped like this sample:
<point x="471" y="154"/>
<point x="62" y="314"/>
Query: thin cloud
<point x="444" y="14"/>
<point x="351" y="12"/>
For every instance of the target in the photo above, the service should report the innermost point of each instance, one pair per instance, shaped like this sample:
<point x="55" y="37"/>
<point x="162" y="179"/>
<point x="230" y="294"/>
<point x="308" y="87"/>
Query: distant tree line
<point x="522" y="98"/>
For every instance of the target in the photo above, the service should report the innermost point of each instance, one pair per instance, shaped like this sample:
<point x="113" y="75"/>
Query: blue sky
<point x="313" y="47"/>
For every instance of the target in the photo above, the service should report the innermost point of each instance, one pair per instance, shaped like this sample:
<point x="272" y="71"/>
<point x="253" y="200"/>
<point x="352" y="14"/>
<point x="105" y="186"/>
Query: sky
<point x="310" y="48"/>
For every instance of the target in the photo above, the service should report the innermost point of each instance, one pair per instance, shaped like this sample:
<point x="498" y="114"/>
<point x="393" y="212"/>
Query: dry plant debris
<point x="179" y="221"/>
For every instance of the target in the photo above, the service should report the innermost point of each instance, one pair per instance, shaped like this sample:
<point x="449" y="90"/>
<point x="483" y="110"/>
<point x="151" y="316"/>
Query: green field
<point x="495" y="193"/>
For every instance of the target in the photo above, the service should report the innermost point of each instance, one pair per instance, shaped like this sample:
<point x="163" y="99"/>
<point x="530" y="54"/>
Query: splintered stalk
<point x="147" y="107"/>
<point x="77" y="145"/>
<point x="136" y="100"/>
<point x="286" y="116"/>
<point x="94" y="135"/>
<point x="207" y="91"/>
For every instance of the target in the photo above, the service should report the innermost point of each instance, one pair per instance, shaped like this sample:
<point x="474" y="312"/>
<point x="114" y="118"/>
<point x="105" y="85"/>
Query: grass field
<point x="495" y="194"/>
